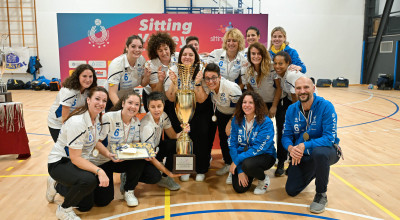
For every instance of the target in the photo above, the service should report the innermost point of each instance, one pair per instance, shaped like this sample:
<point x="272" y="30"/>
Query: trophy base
<point x="184" y="164"/>
<point x="5" y="97"/>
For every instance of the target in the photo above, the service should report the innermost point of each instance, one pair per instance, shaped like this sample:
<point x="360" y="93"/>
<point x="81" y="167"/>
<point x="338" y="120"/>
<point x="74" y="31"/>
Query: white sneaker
<point x="262" y="186"/>
<point x="66" y="214"/>
<point x="184" y="178"/>
<point x="224" y="170"/>
<point x="51" y="189"/>
<point x="169" y="183"/>
<point x="200" y="177"/>
<point x="130" y="198"/>
<point x="229" y="179"/>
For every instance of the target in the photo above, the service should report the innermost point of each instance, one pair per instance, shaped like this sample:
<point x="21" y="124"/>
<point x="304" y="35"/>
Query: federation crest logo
<point x="95" y="39"/>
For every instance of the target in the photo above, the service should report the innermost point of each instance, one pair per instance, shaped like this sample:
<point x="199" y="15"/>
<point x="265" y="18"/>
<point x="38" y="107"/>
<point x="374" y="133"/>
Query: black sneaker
<point x="280" y="169"/>
<point x="319" y="203"/>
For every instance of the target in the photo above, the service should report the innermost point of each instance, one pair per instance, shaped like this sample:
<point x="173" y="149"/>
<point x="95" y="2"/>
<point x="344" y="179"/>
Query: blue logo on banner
<point x="12" y="61"/>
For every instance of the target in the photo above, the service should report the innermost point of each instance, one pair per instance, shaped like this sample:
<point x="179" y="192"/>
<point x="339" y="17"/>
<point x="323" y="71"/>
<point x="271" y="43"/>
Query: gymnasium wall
<point x="327" y="34"/>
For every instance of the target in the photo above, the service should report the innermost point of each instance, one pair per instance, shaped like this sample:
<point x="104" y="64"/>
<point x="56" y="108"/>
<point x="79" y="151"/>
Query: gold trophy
<point x="185" y="105"/>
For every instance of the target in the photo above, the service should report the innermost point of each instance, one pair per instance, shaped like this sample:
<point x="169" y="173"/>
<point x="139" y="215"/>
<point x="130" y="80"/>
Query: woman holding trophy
<point x="200" y="122"/>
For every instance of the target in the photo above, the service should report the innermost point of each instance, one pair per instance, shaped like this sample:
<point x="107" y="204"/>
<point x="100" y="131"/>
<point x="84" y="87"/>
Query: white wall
<point x="327" y="34"/>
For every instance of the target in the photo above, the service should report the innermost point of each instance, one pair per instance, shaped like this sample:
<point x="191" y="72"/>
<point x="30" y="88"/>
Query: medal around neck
<point x="185" y="105"/>
<point x="133" y="151"/>
<point x="95" y="153"/>
<point x="306" y="136"/>
<point x="214" y="118"/>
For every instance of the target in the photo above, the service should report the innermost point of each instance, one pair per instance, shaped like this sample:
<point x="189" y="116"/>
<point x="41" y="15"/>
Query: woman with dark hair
<point x="251" y="144"/>
<point x="224" y="96"/>
<point x="127" y="71"/>
<point x="279" y="43"/>
<point x="252" y="36"/>
<point x="121" y="126"/>
<point x="231" y="62"/>
<point x="200" y="123"/>
<point x="261" y="78"/>
<point x="71" y="96"/>
<point x="71" y="173"/>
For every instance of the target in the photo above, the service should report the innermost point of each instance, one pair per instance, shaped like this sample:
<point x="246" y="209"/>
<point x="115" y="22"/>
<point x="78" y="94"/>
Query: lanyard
<point x="248" y="132"/>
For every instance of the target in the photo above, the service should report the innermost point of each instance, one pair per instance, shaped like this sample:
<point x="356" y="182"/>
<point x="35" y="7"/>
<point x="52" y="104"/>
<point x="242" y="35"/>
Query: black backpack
<point x="384" y="82"/>
<point x="15" y="84"/>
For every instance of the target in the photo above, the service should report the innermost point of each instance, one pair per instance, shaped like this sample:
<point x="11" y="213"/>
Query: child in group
<point x="152" y="125"/>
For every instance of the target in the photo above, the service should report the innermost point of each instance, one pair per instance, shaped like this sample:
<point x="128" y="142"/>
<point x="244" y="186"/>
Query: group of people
<point x="238" y="90"/>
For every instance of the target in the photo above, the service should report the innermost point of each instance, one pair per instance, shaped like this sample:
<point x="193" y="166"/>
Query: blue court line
<point x="242" y="210"/>
<point x="38" y="134"/>
<point x="397" y="109"/>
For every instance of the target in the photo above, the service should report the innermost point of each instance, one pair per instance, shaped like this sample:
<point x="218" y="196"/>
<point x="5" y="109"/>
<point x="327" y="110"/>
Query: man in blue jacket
<point x="310" y="136"/>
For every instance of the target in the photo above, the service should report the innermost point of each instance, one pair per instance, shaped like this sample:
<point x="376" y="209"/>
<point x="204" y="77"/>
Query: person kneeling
<point x="310" y="136"/>
<point x="251" y="144"/>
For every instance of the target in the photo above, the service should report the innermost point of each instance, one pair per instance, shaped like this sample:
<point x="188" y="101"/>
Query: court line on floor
<point x="384" y="117"/>
<point x="367" y="165"/>
<point x="38" y="134"/>
<point x="167" y="203"/>
<point x="236" y="201"/>
<point x="350" y="103"/>
<point x="243" y="210"/>
<point x="366" y="196"/>
<point x="25" y="175"/>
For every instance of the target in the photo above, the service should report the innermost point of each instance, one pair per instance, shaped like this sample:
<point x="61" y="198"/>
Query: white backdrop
<point x="327" y="34"/>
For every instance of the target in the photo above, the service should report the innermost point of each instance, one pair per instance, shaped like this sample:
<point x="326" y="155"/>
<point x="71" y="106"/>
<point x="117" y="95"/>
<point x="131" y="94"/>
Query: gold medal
<point x="214" y="118"/>
<point x="306" y="136"/>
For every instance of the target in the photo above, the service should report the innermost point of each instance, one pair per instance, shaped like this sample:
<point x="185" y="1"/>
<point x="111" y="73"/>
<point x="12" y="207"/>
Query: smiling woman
<point x="71" y="173"/>
<point x="71" y="96"/>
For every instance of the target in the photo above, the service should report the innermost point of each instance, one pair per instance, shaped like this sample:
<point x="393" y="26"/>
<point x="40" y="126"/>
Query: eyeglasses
<point x="213" y="79"/>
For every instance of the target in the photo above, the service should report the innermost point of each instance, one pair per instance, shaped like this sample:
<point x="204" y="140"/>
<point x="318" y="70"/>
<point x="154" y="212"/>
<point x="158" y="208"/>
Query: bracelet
<point x="97" y="171"/>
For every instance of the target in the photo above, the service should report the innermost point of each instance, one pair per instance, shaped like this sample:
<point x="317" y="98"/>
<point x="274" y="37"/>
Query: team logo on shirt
<point x="116" y="133"/>
<point x="96" y="41"/>
<point x="220" y="63"/>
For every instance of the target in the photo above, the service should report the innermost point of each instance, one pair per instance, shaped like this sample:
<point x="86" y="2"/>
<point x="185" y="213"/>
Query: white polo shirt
<point x="227" y="97"/>
<point x="288" y="82"/>
<point x="155" y="65"/>
<point x="79" y="133"/>
<point x="231" y="70"/>
<point x="66" y="97"/>
<point x="150" y="131"/>
<point x="117" y="132"/>
<point x="125" y="76"/>
<point x="266" y="88"/>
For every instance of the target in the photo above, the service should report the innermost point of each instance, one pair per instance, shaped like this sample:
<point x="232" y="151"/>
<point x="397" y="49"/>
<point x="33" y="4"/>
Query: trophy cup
<point x="185" y="105"/>
<point x="4" y="95"/>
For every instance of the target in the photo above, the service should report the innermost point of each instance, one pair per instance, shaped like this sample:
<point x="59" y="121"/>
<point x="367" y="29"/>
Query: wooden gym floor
<point x="363" y="186"/>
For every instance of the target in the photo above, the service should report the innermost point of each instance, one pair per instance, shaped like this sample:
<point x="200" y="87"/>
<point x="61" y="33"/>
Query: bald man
<point x="310" y="136"/>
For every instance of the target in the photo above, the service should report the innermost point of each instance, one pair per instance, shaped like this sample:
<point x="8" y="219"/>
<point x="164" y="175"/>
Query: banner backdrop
<point x="97" y="39"/>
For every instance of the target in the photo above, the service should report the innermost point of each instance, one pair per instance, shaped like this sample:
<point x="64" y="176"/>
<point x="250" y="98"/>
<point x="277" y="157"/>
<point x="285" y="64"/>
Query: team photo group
<point x="186" y="97"/>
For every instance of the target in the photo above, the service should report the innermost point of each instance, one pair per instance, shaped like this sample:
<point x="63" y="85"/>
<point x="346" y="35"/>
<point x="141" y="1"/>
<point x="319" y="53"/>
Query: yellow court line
<point x="366" y="165"/>
<point x="39" y="147"/>
<point x="167" y="209"/>
<point x="10" y="168"/>
<point x="25" y="175"/>
<point x="366" y="196"/>
<point x="20" y="161"/>
<point x="47" y="142"/>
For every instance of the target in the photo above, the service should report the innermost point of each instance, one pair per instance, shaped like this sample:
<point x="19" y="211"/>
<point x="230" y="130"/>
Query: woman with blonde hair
<point x="279" y="43"/>
<point x="231" y="62"/>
